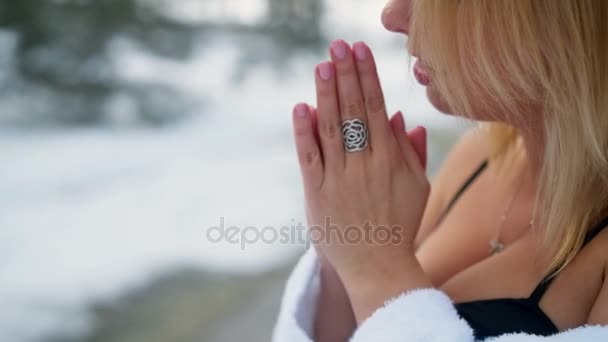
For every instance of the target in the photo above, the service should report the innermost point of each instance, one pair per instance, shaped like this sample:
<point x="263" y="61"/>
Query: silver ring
<point x="355" y="135"/>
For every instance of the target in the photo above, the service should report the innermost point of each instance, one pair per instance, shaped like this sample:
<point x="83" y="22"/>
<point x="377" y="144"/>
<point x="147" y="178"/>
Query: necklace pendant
<point x="496" y="247"/>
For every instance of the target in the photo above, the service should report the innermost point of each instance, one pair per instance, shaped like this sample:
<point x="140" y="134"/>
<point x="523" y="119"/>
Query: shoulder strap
<point x="463" y="188"/>
<point x="540" y="290"/>
<point x="596" y="230"/>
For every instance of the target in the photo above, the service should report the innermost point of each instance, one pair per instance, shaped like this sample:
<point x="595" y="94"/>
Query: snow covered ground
<point x="86" y="214"/>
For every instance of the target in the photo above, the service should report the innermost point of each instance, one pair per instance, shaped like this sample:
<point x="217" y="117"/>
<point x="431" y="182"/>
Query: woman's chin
<point x="437" y="100"/>
<point x="442" y="106"/>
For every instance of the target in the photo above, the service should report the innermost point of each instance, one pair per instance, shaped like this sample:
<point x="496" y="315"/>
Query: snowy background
<point x="93" y="209"/>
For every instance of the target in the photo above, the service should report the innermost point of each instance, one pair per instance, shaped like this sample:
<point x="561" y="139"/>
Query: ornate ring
<point x="355" y="135"/>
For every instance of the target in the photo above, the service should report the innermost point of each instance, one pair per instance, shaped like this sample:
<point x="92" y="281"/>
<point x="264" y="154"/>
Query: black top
<point x="494" y="317"/>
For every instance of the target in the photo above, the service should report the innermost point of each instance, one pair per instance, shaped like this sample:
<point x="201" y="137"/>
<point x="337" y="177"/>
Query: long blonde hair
<point x="554" y="53"/>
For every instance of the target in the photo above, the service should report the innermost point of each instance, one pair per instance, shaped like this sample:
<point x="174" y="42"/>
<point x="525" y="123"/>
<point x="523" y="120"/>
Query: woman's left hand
<point x="364" y="208"/>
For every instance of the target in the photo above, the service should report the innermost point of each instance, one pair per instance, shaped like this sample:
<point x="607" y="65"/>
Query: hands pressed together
<point x="364" y="206"/>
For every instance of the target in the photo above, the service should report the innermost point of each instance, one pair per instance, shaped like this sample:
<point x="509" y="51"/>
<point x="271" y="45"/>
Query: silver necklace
<point x="496" y="246"/>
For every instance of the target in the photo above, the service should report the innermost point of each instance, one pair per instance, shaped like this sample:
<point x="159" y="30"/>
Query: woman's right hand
<point x="335" y="320"/>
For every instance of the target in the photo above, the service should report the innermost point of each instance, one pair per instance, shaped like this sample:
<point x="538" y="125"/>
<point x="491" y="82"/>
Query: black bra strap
<point x="462" y="189"/>
<point x="596" y="230"/>
<point x="540" y="290"/>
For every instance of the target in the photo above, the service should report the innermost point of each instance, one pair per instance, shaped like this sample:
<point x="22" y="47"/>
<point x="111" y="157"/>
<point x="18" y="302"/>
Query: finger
<point x="314" y="116"/>
<point x="309" y="153"/>
<point x="408" y="152"/>
<point x="330" y="132"/>
<point x="373" y="96"/>
<point x="349" y="92"/>
<point x="397" y="125"/>
<point x="418" y="137"/>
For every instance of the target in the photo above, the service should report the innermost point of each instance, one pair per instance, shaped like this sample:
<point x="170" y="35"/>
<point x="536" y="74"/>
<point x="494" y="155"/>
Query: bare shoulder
<point x="462" y="160"/>
<point x="466" y="155"/>
<point x="599" y="311"/>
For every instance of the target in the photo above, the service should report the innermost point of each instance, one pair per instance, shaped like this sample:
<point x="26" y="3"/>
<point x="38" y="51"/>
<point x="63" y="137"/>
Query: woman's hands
<point x="364" y="208"/>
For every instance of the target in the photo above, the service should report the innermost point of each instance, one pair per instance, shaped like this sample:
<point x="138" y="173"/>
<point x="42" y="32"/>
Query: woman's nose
<point x="396" y="16"/>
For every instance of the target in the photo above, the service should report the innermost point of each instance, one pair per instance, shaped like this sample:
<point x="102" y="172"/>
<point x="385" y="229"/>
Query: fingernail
<point x="301" y="110"/>
<point x="339" y="48"/>
<point x="325" y="71"/>
<point x="360" y="51"/>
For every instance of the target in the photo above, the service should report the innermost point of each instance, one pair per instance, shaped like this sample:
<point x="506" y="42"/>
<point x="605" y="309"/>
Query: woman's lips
<point x="422" y="76"/>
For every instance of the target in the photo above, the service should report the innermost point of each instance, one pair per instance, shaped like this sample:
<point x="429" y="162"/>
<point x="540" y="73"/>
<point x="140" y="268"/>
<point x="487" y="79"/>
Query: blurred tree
<point x="296" y="18"/>
<point x="294" y="27"/>
<point x="62" y="56"/>
<point x="62" y="67"/>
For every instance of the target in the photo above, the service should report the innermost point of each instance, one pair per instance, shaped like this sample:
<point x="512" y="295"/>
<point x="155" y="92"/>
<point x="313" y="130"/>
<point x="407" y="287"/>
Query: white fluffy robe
<point x="418" y="315"/>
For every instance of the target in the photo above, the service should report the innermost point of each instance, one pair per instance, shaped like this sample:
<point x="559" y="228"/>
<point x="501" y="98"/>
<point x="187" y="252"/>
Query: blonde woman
<point x="510" y="242"/>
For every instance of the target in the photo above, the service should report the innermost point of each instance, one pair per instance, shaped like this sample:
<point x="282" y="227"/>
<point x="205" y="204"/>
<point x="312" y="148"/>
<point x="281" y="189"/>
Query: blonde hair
<point x="553" y="54"/>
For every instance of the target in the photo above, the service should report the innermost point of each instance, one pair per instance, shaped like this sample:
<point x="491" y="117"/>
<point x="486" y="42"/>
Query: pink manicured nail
<point x="301" y="110"/>
<point x="326" y="70"/>
<point x="360" y="51"/>
<point x="339" y="48"/>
